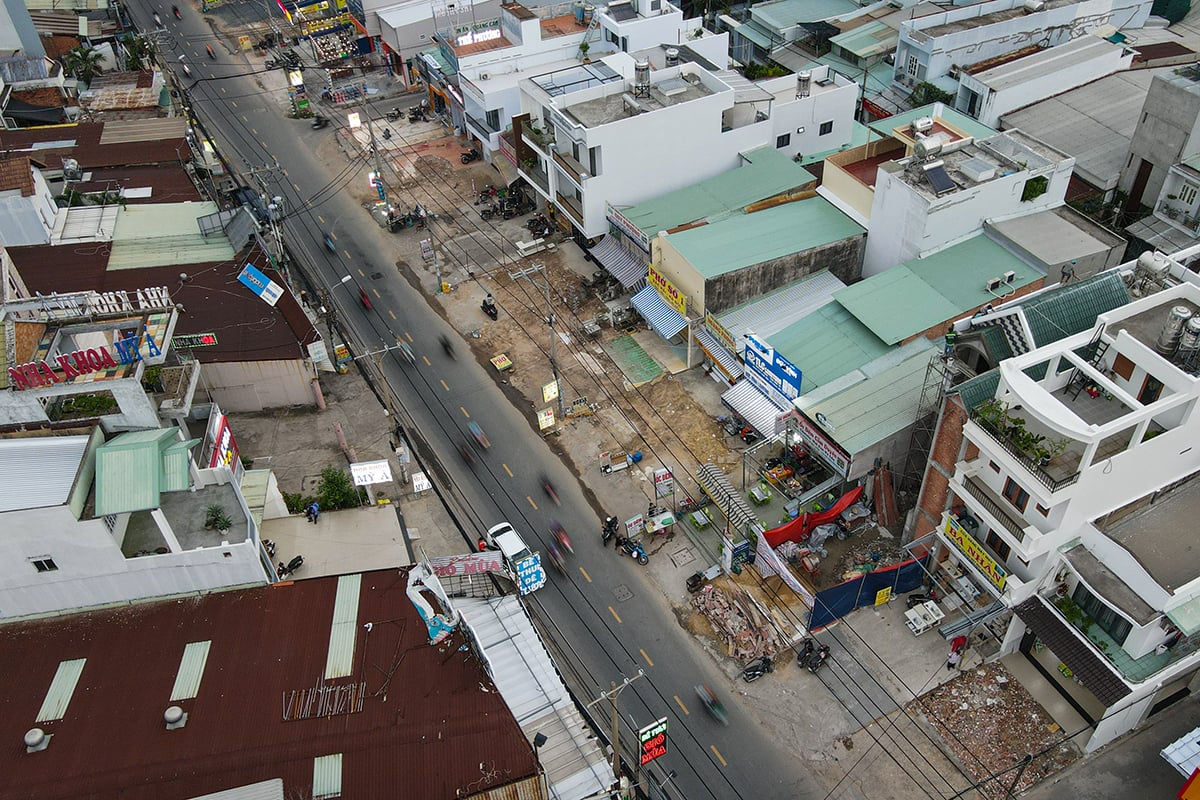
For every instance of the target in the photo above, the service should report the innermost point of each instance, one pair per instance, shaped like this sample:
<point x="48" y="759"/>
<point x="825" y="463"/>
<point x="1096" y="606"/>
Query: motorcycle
<point x="407" y="352"/>
<point x="284" y="570"/>
<point x="394" y="114"/>
<point x="917" y="598"/>
<point x="560" y="536"/>
<point x="610" y="528"/>
<point x="489" y="307"/>
<point x="548" y="488"/>
<point x="696" y="581"/>
<point x="489" y="211"/>
<point x="633" y="549"/>
<point x="269" y="546"/>
<point x="157" y="20"/>
<point x="329" y="244"/>
<point x="186" y="69"/>
<point x="557" y="558"/>
<point x="712" y="705"/>
<point x="468" y="456"/>
<point x="486" y="195"/>
<point x="319" y="122"/>
<point x="364" y="298"/>
<point x="446" y="345"/>
<point x="470" y="155"/>
<point x="812" y="656"/>
<point x="175" y="11"/>
<point x="480" y="436"/>
<point x="211" y="54"/>
<point x="757" y="668"/>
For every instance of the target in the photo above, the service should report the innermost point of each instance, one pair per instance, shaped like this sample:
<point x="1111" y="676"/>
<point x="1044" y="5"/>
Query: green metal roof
<point x="176" y="464"/>
<point x="930" y="290"/>
<point x="129" y="471"/>
<point x="751" y="31"/>
<point x="827" y="344"/>
<point x="1186" y="616"/>
<point x="961" y="121"/>
<point x="766" y="173"/>
<point x="165" y="234"/>
<point x="781" y="14"/>
<point x="978" y="389"/>
<point x="870" y="411"/>
<point x="731" y="244"/>
<point x="255" y="484"/>
<point x="868" y="40"/>
<point x="858" y="137"/>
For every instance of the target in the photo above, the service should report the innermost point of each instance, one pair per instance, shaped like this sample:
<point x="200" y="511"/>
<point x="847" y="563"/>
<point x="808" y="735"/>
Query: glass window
<point x="44" y="564"/>
<point x="783" y="141"/>
<point x="1187" y="194"/>
<point x="1105" y="617"/>
<point x="826" y="127"/>
<point x="994" y="466"/>
<point x="1015" y="494"/>
<point x="911" y="66"/>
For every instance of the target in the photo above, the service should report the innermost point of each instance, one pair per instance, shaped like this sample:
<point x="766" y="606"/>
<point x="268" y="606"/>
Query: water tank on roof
<point x="1034" y="6"/>
<point x="672" y="56"/>
<point x="803" y="82"/>
<point x="1153" y="263"/>
<point x="1189" y="341"/>
<point x="641" y="74"/>
<point x="928" y="147"/>
<point x="1172" y="330"/>
<point x="922" y="125"/>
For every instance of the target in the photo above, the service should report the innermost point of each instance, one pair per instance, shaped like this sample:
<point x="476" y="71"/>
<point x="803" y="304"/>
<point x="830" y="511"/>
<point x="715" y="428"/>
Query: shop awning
<point x="753" y="406"/>
<point x="623" y="266"/>
<point x="1065" y="642"/>
<point x="660" y="316"/>
<point x="716" y="351"/>
<point x="508" y="171"/>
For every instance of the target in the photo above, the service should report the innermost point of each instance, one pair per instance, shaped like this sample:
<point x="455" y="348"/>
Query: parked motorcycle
<point x="489" y="307"/>
<point x="610" y="529"/>
<point x="811" y="657"/>
<point x="632" y="548"/>
<point x="712" y="705"/>
<point x="269" y="546"/>
<point x="757" y="668"/>
<point x="917" y="598"/>
<point x="486" y="195"/>
<point x="470" y="155"/>
<point x="285" y="570"/>
<point x="696" y="581"/>
<point x="394" y="114"/>
<point x="489" y="211"/>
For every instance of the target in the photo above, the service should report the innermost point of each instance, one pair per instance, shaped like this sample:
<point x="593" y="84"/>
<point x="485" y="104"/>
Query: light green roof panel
<point x="255" y="483"/>
<point x="746" y="239"/>
<point x="176" y="462"/>
<point x="858" y="137"/>
<point x="165" y="234"/>
<point x="191" y="670"/>
<point x="961" y="121"/>
<point x="868" y="40"/>
<point x="870" y="411"/>
<point x="339" y="658"/>
<point x="755" y="34"/>
<point x="827" y="344"/>
<point x="62" y="688"/>
<point x="766" y="173"/>
<point x="129" y="471"/>
<point x="1186" y="616"/>
<point x="781" y="14"/>
<point x="933" y="289"/>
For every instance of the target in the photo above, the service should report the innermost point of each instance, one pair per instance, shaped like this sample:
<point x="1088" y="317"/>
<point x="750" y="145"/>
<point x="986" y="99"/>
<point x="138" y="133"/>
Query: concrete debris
<point x="739" y="622"/>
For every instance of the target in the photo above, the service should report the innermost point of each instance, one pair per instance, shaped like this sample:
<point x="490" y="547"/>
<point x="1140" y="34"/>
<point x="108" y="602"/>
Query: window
<point x="783" y="141"/>
<point x="995" y="467"/>
<point x="593" y="160"/>
<point x="1034" y="188"/>
<point x="1041" y="509"/>
<point x="493" y="120"/>
<point x="911" y="65"/>
<point x="1015" y="494"/>
<point x="998" y="545"/>
<point x="1187" y="194"/>
<point x="44" y="564"/>
<point x="1105" y="618"/>
<point x="826" y="127"/>
<point x="1123" y="366"/>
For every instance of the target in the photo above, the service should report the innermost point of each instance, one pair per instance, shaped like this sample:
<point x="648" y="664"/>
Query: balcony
<point x="540" y="139"/>
<point x="570" y="166"/>
<point x="1178" y="215"/>
<point x="1054" y="470"/>
<point x="571" y="205"/>
<point x="992" y="505"/>
<point x="537" y="176"/>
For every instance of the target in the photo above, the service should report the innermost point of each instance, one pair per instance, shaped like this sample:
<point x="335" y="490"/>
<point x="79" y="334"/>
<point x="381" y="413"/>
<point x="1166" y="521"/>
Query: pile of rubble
<point x="869" y="551"/>
<point x="990" y="722"/>
<point x="746" y="630"/>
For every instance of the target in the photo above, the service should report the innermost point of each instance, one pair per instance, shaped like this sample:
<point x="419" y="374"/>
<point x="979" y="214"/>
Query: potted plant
<point x="216" y="519"/>
<point x="993" y="412"/>
<point x="583" y="51"/>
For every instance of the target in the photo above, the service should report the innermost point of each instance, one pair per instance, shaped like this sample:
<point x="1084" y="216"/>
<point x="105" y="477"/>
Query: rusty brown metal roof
<point x="432" y="724"/>
<point x="82" y="142"/>
<point x="16" y="173"/>
<point x="168" y="183"/>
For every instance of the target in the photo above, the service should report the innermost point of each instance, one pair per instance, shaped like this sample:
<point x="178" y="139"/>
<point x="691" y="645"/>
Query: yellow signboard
<point x="549" y="391"/>
<point x="673" y="297"/>
<point x="883" y="596"/>
<point x="545" y="419"/>
<point x="975" y="553"/>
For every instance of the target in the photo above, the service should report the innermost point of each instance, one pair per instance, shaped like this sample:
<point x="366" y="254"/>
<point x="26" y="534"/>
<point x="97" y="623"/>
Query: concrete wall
<point x="258" y="385"/>
<point x="843" y="258"/>
<point x="137" y="411"/>
<point x="1165" y="134"/>
<point x="409" y="39"/>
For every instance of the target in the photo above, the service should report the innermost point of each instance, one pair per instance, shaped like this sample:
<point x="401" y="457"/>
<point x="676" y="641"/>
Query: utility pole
<point x="611" y="696"/>
<point x="528" y="273"/>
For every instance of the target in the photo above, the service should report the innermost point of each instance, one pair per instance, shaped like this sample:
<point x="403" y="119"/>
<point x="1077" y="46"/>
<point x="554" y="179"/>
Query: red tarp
<point x="798" y="529"/>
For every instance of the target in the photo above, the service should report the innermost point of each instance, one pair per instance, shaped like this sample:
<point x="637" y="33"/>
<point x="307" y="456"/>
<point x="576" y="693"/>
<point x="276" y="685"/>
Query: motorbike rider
<point x="446" y="345"/>
<point x="211" y="54"/>
<point x="175" y="11"/>
<point x="557" y="558"/>
<point x="560" y="535"/>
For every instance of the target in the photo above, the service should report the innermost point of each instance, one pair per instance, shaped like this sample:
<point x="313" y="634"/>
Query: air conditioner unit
<point x="1010" y="276"/>
<point x="992" y="284"/>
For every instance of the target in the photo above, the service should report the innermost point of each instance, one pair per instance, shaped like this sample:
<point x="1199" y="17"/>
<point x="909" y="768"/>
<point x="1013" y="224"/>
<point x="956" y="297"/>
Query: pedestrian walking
<point x="314" y="511"/>
<point x="953" y="659"/>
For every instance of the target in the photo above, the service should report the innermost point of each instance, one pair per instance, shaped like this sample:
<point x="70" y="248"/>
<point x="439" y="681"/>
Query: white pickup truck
<point x="524" y="564"/>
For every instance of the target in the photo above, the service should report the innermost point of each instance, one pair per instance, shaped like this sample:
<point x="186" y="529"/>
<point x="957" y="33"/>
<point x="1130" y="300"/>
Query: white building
<point x="619" y="132"/>
<point x="932" y="46"/>
<point x="1068" y="478"/>
<point x="27" y="207"/>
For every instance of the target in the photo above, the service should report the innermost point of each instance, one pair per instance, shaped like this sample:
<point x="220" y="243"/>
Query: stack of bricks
<point x="732" y="620"/>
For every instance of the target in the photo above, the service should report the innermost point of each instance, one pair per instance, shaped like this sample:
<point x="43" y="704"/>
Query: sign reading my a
<point x="83" y="362"/>
<point x="673" y="297"/>
<point x="653" y="740"/>
<point x="975" y="553"/>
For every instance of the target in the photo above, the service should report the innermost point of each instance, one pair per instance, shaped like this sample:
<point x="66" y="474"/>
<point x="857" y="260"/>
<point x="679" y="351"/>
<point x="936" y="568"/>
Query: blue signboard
<point x="771" y="373"/>
<point x="531" y="576"/>
<point x="253" y="279"/>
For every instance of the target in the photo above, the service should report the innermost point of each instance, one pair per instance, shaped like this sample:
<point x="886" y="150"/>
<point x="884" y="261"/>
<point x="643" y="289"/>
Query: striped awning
<point x="665" y="320"/>
<point x="620" y="263"/>
<point x="726" y="360"/>
<point x="753" y="406"/>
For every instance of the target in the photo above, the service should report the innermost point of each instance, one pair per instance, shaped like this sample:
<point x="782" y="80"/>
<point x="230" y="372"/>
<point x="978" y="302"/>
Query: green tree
<point x="925" y="93"/>
<point x="336" y="490"/>
<point x="137" y="52"/>
<point x="83" y="62"/>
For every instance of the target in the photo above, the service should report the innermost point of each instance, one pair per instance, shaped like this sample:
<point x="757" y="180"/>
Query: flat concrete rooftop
<point x="616" y="106"/>
<point x="1162" y="536"/>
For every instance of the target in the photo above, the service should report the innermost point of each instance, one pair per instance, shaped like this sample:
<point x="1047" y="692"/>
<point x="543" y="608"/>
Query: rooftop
<point x="168" y="183"/>
<point x="827" y="344"/>
<point x="783" y="14"/>
<point x="103" y="144"/>
<point x="961" y="22"/>
<point x="1047" y="62"/>
<point x="739" y="241"/>
<point x="951" y="120"/>
<point x="247" y="668"/>
<point x="614" y="106"/>
<point x="765" y="173"/>
<point x="935" y="289"/>
<point x="1058" y="235"/>
<point x="868" y="40"/>
<point x="776" y="310"/>
<point x="1160" y="536"/>
<point x="978" y="162"/>
<point x="39" y="472"/>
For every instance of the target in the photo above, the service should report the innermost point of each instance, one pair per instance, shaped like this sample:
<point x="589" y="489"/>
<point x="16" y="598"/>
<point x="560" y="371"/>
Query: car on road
<point x="524" y="564"/>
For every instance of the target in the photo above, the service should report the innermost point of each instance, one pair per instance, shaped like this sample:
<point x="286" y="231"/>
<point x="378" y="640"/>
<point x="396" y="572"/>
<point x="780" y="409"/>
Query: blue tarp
<point x="837" y="601"/>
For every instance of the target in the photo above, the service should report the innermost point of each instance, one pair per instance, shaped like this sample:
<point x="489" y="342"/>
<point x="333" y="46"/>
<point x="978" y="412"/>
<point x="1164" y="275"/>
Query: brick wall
<point x="947" y="447"/>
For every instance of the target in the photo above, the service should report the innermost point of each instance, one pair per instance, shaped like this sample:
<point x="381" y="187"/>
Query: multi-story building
<point x="1062" y="487"/>
<point x="1165" y="136"/>
<point x="594" y="135"/>
<point x="933" y="47"/>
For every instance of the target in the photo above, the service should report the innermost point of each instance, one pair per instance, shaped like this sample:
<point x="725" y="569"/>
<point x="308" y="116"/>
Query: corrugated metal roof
<point x="747" y="239"/>
<point x="165" y="233"/>
<point x="263" y="790"/>
<point x="766" y="173"/>
<point x="61" y="690"/>
<point x="868" y="40"/>
<point x="254" y="491"/>
<point x="327" y="776"/>
<point x="781" y="14"/>
<point x="771" y="313"/>
<point x="37" y="473"/>
<point x="874" y="409"/>
<point x="978" y="389"/>
<point x="1092" y="671"/>
<point x="947" y="114"/>
<point x="827" y="344"/>
<point x="343" y="630"/>
<point x="129" y="471"/>
<point x="755" y="33"/>
<point x="191" y="670"/>
<point x="176" y="461"/>
<point x="1046" y="62"/>
<point x="924" y="292"/>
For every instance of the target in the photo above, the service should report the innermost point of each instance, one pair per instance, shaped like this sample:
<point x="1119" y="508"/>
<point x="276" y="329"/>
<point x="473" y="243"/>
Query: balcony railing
<point x="541" y="139"/>
<point x="537" y="177"/>
<point x="570" y="166"/>
<point x="481" y="126"/>
<point x="1024" y="458"/>
<point x="1178" y="215"/>
<point x="572" y="205"/>
<point x="998" y="512"/>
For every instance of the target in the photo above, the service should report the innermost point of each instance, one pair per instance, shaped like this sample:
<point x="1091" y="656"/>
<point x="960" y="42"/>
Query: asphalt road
<point x="609" y="622"/>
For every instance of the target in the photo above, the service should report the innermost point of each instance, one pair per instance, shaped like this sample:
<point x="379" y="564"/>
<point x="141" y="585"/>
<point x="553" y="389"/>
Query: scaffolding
<point x="943" y="372"/>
